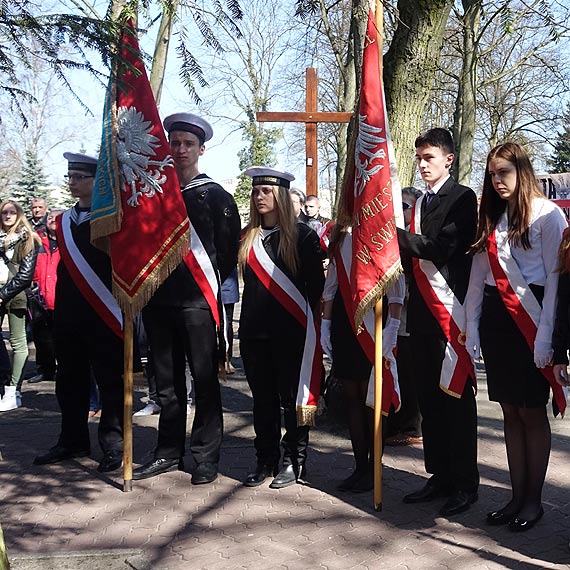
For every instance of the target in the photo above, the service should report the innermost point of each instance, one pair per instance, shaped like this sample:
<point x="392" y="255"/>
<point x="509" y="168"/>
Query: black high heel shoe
<point x="500" y="517"/>
<point x="522" y="525"/>
<point x="349" y="483"/>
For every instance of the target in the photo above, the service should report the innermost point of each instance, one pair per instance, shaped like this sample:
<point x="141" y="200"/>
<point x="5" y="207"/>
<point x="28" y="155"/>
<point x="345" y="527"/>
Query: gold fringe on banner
<point x="132" y="306"/>
<point x="375" y="294"/>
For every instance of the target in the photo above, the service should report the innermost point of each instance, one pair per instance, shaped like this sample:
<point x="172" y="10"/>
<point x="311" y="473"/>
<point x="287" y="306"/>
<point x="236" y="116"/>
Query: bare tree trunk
<point x="350" y="77"/>
<point x="347" y="103"/>
<point x="464" y="118"/>
<point x="409" y="70"/>
<point x="4" y="564"/>
<point x="161" y="50"/>
<point x="116" y="7"/>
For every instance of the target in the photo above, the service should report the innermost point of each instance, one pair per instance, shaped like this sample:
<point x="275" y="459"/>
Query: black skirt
<point x="349" y="360"/>
<point x="512" y="377"/>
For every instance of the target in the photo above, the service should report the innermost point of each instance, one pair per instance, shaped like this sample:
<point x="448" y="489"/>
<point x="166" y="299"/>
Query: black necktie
<point x="429" y="197"/>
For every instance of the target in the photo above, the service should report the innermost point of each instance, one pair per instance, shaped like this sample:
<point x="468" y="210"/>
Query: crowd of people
<point x="490" y="280"/>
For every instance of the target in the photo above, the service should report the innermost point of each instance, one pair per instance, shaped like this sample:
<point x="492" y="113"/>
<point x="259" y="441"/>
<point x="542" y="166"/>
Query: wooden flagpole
<point x="128" y="404"/>
<point x="378" y="364"/>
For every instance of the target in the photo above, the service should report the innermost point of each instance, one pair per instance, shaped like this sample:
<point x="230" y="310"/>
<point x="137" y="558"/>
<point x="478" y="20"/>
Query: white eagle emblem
<point x="368" y="149"/>
<point x="135" y="147"/>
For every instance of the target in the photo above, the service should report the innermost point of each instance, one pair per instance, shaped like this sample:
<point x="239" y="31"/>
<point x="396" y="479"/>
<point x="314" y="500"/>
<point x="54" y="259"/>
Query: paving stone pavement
<point x="69" y="508"/>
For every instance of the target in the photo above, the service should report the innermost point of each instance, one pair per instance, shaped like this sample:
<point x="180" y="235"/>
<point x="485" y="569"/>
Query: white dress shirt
<point x="538" y="265"/>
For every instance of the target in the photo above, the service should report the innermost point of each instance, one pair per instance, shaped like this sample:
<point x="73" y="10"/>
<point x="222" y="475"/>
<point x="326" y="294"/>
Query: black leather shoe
<point x="204" y="473"/>
<point x="365" y="483"/>
<point x="284" y="478"/>
<point x="59" y="453"/>
<point x="111" y="461"/>
<point x="459" y="502"/>
<point x="500" y="517"/>
<point x="348" y="483"/>
<point x="258" y="476"/>
<point x="522" y="525"/>
<point x="157" y="467"/>
<point x="430" y="491"/>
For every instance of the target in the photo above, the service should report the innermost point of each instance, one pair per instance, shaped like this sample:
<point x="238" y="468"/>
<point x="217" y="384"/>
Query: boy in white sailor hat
<point x="86" y="332"/>
<point x="182" y="320"/>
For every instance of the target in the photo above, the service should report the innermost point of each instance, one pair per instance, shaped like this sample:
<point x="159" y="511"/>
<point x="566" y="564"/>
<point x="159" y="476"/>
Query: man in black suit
<point x="444" y="228"/>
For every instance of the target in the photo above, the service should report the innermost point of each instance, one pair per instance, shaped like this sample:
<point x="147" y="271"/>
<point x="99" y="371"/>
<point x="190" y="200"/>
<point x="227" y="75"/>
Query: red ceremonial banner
<point x="138" y="214"/>
<point x="375" y="199"/>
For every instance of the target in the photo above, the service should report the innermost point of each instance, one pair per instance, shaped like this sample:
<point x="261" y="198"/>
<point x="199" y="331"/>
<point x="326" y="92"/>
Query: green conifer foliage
<point x="32" y="181"/>
<point x="560" y="160"/>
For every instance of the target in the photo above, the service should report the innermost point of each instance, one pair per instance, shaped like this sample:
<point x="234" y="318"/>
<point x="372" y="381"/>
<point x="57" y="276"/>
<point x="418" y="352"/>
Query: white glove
<point x="472" y="342"/>
<point x="326" y="337"/>
<point x="543" y="353"/>
<point x="390" y="336"/>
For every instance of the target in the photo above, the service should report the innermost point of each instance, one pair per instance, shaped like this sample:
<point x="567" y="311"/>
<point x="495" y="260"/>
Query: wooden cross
<point x="311" y="117"/>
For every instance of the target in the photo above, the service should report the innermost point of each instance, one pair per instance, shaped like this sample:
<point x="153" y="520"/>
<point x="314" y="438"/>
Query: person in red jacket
<point x="46" y="276"/>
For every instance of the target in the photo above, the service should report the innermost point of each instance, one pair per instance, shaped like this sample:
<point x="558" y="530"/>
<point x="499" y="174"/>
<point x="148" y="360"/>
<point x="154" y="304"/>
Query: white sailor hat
<point x="270" y="176"/>
<point x="189" y="123"/>
<point x="77" y="161"/>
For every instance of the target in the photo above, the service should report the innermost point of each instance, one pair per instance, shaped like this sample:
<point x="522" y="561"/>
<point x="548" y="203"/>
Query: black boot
<point x="258" y="476"/>
<point x="284" y="478"/>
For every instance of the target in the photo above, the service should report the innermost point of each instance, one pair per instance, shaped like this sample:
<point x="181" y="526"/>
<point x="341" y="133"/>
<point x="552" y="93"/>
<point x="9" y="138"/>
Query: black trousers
<point x="272" y="368"/>
<point x="82" y="346"/>
<point x="449" y="424"/>
<point x="407" y="420"/>
<point x="174" y="334"/>
<point x="42" y="333"/>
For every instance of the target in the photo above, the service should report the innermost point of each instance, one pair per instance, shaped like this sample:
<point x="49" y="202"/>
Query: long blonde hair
<point x="287" y="221"/>
<point x="30" y="237"/>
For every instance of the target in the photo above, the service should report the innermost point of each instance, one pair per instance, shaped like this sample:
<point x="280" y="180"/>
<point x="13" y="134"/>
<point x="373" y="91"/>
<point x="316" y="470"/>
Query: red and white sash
<point x="449" y="313"/>
<point x="86" y="280"/>
<point x="390" y="385"/>
<point x="518" y="298"/>
<point x="291" y="299"/>
<point x="200" y="265"/>
<point x="323" y="232"/>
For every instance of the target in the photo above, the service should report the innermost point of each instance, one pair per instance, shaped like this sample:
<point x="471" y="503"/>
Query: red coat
<point x="46" y="271"/>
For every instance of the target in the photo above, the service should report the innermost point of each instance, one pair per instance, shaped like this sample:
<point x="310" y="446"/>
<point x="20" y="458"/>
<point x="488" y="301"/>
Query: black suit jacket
<point x="448" y="227"/>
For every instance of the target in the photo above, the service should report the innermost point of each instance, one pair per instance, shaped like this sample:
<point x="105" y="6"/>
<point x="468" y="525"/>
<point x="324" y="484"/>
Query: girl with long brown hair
<point x="18" y="252"/>
<point x="510" y="309"/>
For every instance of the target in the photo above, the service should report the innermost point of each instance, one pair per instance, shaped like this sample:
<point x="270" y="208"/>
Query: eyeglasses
<point x="77" y="177"/>
<point x="406" y="206"/>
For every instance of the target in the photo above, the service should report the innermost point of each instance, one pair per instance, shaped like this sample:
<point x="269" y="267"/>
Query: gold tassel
<point x="306" y="416"/>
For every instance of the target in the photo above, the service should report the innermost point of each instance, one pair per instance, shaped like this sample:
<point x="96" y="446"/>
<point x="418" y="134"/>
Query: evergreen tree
<point x="560" y="160"/>
<point x="32" y="181"/>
